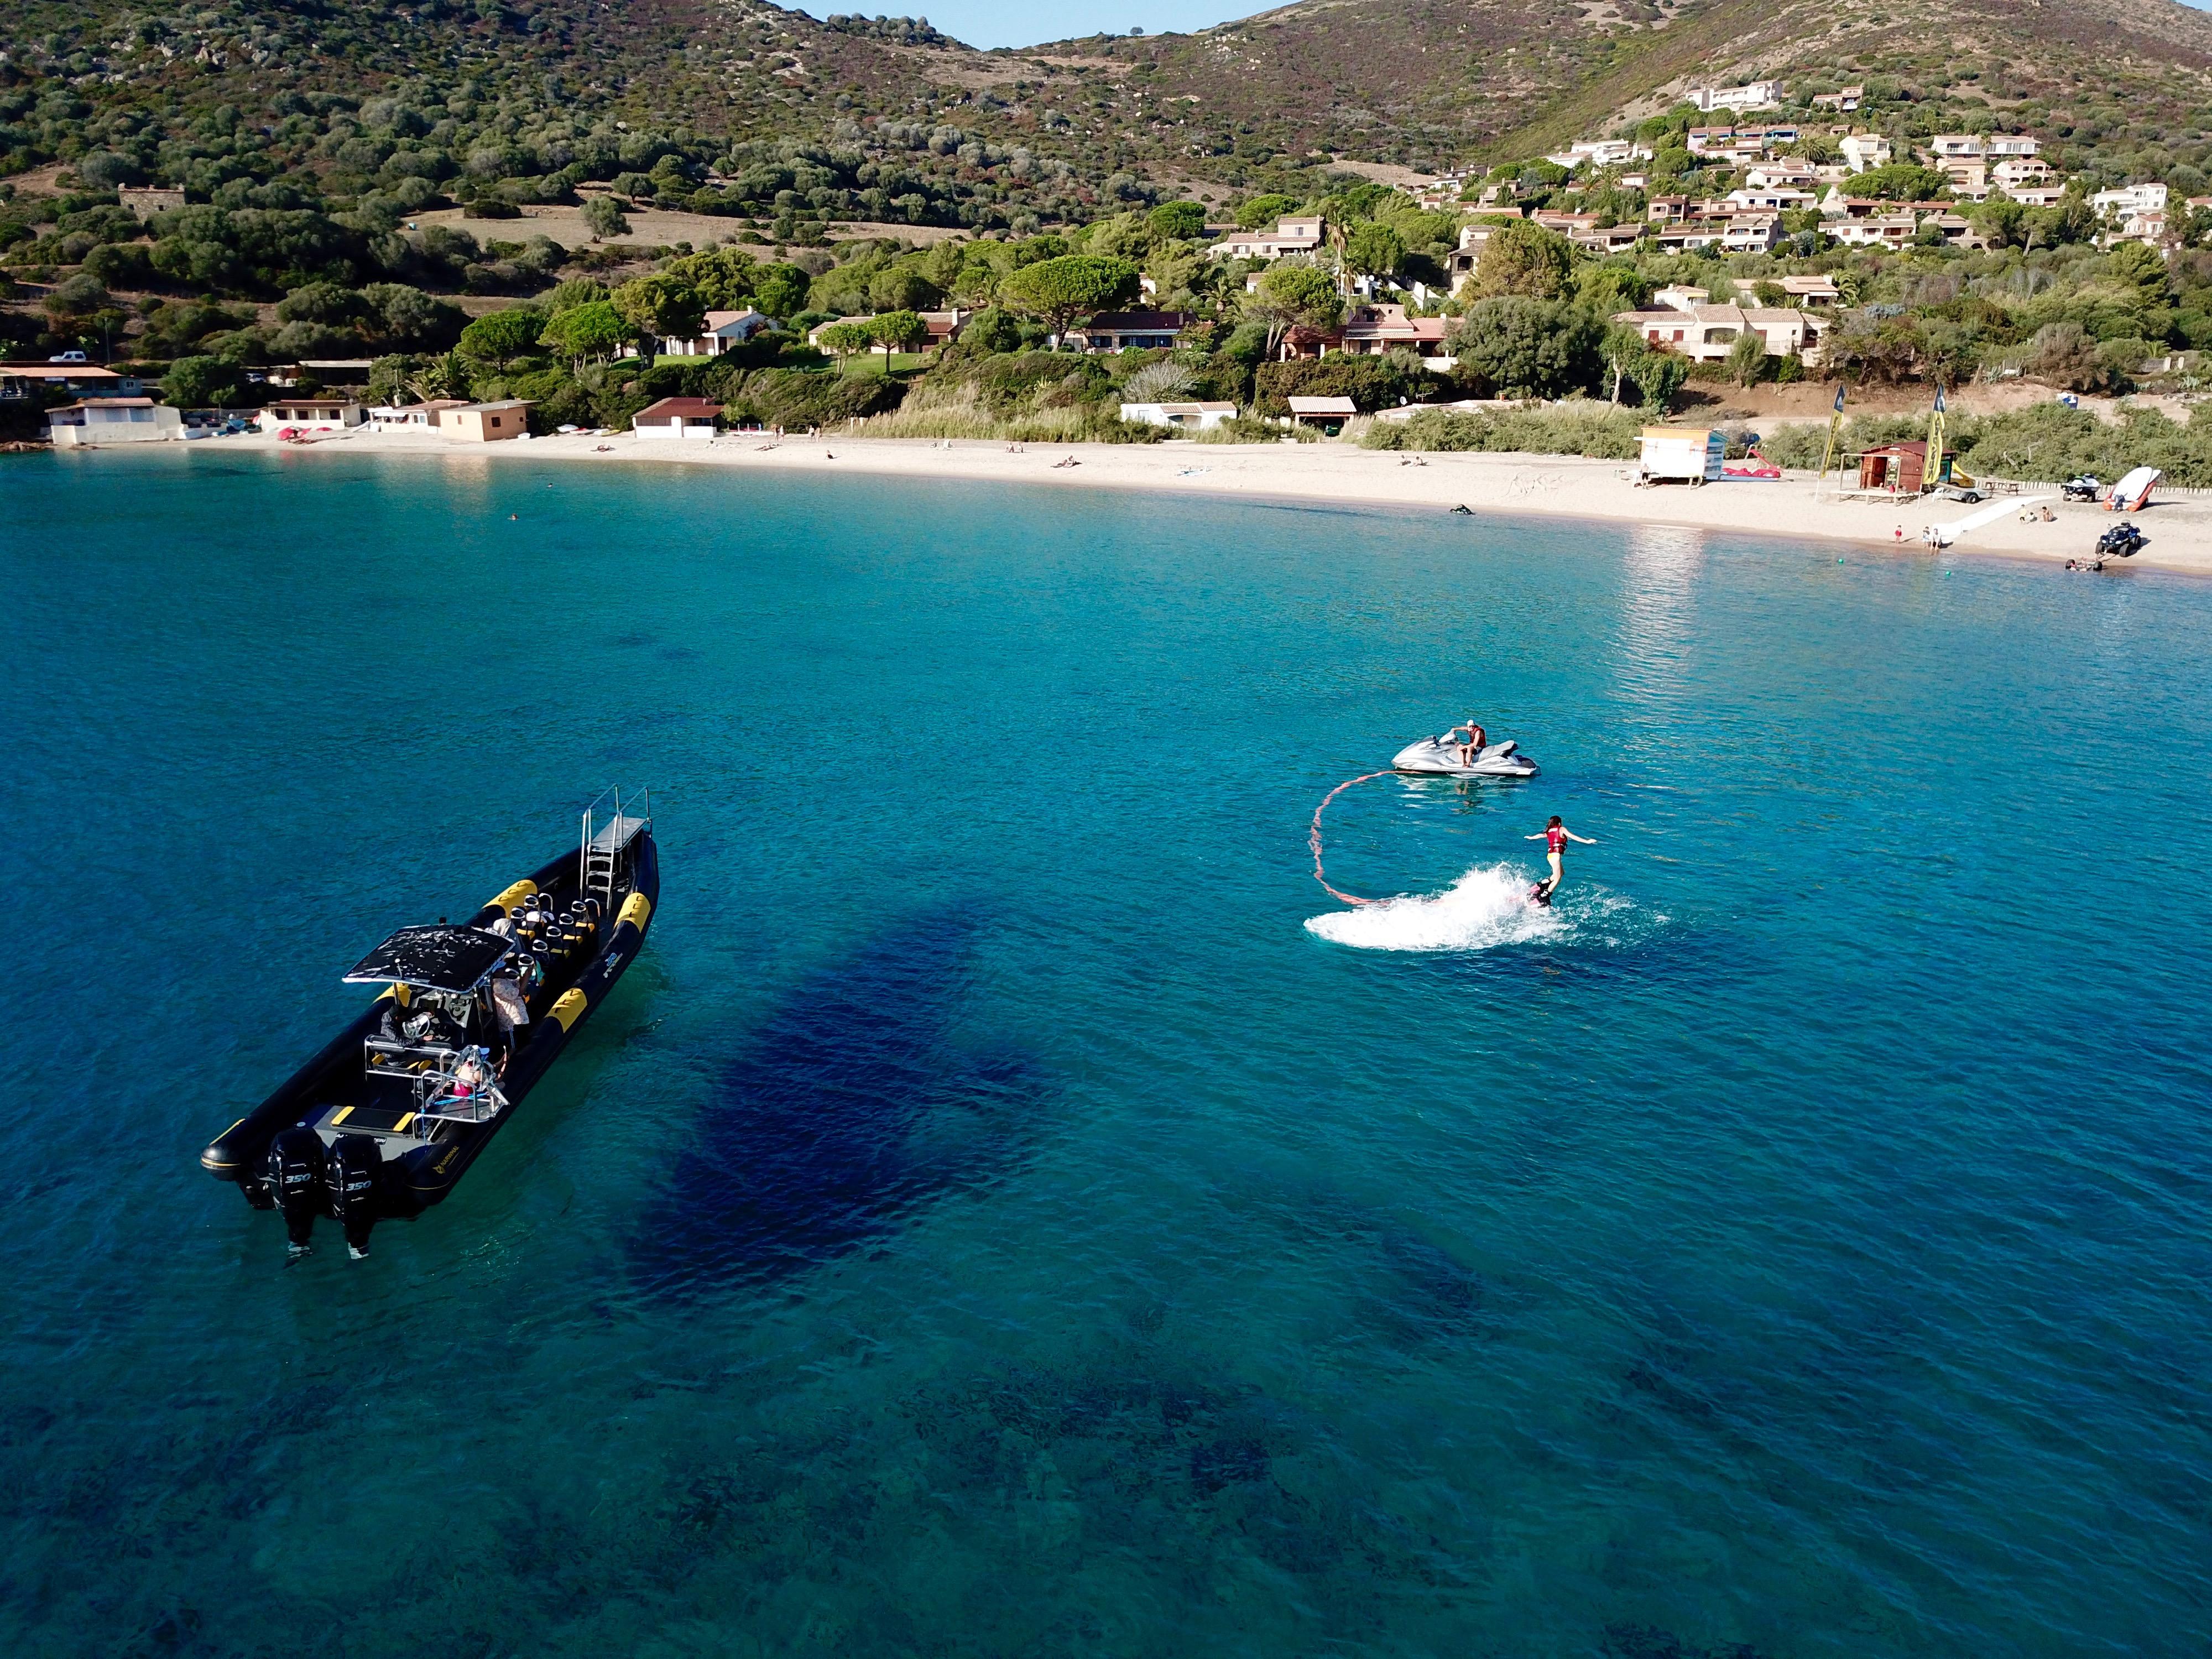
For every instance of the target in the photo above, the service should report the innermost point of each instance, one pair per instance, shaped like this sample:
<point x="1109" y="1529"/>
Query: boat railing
<point x="434" y="1073"/>
<point x="480" y="1104"/>
<point x="389" y="1057"/>
<point x="610" y="824"/>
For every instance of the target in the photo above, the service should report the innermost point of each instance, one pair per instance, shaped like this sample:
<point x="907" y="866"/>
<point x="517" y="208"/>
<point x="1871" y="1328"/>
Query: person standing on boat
<point x="1555" y="836"/>
<point x="510" y="1004"/>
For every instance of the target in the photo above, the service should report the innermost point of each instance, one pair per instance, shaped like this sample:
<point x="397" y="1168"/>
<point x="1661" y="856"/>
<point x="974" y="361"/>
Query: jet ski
<point x="1437" y="757"/>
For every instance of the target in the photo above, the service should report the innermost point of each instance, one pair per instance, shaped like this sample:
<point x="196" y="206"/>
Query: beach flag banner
<point x="1931" y="474"/>
<point x="1835" y="426"/>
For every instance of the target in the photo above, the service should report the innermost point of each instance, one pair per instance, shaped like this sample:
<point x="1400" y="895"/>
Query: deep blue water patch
<point x="849" y="1107"/>
<point x="987" y="1220"/>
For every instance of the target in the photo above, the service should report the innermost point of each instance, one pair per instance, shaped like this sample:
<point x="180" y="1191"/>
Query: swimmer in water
<point x="1555" y="837"/>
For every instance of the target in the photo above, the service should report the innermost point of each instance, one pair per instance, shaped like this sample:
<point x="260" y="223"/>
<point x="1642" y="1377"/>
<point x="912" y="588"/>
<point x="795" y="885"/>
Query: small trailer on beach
<point x="1680" y="454"/>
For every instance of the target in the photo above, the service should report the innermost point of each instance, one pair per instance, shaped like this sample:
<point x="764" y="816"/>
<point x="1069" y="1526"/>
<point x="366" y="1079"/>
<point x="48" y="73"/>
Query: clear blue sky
<point x="1027" y="22"/>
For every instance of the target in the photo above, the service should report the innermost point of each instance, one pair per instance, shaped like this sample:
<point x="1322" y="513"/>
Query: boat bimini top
<point x="455" y="960"/>
<point x="1439" y="758"/>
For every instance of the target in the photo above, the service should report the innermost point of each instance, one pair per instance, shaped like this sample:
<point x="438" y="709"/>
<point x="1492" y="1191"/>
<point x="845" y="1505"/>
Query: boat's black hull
<point x="407" y="1185"/>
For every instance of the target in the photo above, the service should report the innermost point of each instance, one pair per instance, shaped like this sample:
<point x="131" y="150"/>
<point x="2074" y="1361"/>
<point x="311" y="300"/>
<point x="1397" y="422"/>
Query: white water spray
<point x="1482" y="909"/>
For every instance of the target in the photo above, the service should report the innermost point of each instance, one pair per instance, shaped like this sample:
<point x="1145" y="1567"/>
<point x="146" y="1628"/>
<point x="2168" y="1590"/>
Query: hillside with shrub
<point x="312" y="141"/>
<point x="525" y="100"/>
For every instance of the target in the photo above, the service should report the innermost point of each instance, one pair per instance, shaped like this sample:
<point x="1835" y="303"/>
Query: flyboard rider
<point x="1555" y="836"/>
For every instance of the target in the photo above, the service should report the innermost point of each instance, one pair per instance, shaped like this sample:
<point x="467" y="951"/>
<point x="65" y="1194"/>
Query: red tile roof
<point x="688" y="409"/>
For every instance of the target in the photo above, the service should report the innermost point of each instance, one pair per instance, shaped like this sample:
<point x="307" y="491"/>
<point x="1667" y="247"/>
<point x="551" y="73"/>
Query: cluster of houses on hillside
<point x="1749" y="218"/>
<point x="1976" y="167"/>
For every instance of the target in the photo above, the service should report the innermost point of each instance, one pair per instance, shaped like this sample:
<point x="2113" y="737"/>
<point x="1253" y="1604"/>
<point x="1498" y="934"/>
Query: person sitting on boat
<point x="407" y="1022"/>
<point x="1477" y="740"/>
<point x="427" y="1025"/>
<point x="471" y="1076"/>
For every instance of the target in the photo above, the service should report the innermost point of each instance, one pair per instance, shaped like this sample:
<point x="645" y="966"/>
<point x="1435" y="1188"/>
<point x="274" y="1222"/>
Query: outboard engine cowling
<point x="296" y="1165"/>
<point x="355" y="1163"/>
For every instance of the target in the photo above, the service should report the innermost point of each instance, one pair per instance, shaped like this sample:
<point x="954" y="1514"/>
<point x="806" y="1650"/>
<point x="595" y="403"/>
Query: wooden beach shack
<point x="1901" y="469"/>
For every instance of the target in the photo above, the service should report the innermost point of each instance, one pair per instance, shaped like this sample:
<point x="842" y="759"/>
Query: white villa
<point x="1290" y="236"/>
<point x="1752" y="95"/>
<point x="1771" y="198"/>
<point x="1600" y="153"/>
<point x="1820" y="290"/>
<point x="1863" y="150"/>
<point x="723" y="330"/>
<point x="1682" y="321"/>
<point x="2130" y="199"/>
<point x="1980" y="146"/>
<point x="2013" y="172"/>
<point x="1789" y="170"/>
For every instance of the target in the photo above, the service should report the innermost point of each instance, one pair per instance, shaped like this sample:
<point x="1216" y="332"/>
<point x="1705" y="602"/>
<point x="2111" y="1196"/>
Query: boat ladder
<point x="610" y="824"/>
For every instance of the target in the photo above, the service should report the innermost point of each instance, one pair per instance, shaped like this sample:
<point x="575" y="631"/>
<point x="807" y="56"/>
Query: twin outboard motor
<point x="296" y="1165"/>
<point x="354" y="1162"/>
<point x="304" y="1181"/>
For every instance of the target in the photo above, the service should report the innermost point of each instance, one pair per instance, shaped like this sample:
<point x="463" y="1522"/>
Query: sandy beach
<point x="2179" y="526"/>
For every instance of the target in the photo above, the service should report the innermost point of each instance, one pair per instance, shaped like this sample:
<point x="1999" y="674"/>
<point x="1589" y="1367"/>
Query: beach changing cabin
<point x="1680" y="454"/>
<point x="1901" y="468"/>
<point x="486" y="423"/>
<point x="1183" y="416"/>
<point x="1329" y="414"/>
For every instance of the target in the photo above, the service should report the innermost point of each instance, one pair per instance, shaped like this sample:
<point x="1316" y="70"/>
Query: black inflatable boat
<point x="393" y="1110"/>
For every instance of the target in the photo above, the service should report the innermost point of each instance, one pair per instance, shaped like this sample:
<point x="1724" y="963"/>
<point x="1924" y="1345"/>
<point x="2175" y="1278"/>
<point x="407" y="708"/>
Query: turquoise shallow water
<point x="988" y="1220"/>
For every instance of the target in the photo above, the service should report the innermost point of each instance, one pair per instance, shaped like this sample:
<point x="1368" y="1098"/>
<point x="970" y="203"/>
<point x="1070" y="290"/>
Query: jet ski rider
<point x="1477" y="740"/>
<point x="1555" y="837"/>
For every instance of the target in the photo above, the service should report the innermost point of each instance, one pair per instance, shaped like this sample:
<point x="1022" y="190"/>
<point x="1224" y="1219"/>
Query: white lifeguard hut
<point x="1680" y="454"/>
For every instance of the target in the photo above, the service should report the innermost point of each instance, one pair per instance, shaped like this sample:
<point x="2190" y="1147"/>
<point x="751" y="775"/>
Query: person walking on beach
<point x="1555" y="837"/>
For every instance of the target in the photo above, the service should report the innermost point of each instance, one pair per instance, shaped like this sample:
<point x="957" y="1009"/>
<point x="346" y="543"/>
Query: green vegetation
<point x="311" y="144"/>
<point x="1573" y="428"/>
<point x="2048" y="443"/>
<point x="1058" y="291"/>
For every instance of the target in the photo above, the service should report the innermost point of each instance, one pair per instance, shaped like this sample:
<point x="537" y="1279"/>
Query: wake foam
<point x="1482" y="909"/>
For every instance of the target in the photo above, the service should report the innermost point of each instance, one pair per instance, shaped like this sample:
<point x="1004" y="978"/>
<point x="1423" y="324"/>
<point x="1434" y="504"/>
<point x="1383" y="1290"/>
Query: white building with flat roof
<point x="1752" y="94"/>
<point x="113" y="421"/>
<point x="1863" y="150"/>
<point x="1180" y="417"/>
<point x="1600" y="153"/>
<point x="2130" y="199"/>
